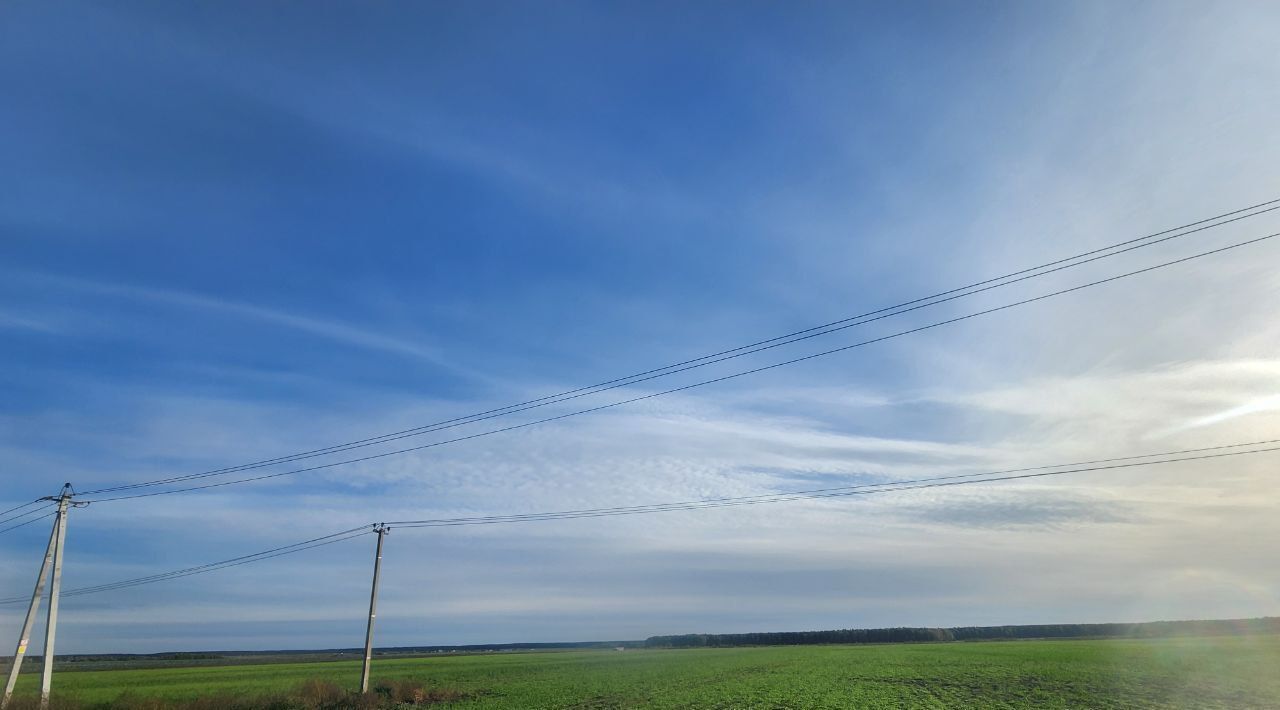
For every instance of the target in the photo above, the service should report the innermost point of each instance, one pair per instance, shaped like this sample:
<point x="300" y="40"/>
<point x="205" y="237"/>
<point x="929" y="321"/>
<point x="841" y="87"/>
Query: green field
<point x="1234" y="673"/>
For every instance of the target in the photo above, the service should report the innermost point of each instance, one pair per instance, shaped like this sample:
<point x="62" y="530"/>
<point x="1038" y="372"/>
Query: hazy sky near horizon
<point x="234" y="231"/>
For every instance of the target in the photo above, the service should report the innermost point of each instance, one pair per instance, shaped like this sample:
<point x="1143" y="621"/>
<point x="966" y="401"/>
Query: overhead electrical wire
<point x="20" y="507"/>
<point x="741" y="351"/>
<point x="1161" y="458"/>
<point x="20" y="516"/>
<point x="5" y="517"/>
<point x="46" y="500"/>
<point x="213" y="566"/>
<point x="19" y="525"/>
<point x="674" y="390"/>
<point x="16" y="516"/>
<point x="837" y="492"/>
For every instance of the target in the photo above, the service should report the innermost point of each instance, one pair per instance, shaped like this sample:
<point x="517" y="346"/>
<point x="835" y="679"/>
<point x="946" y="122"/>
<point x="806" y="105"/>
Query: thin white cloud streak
<point x="329" y="330"/>
<point x="8" y="320"/>
<point x="1138" y="405"/>
<point x="529" y="168"/>
<point x="1256" y="406"/>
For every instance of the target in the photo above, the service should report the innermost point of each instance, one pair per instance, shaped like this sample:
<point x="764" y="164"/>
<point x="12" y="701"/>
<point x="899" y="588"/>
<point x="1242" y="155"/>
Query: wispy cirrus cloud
<point x="8" y="320"/>
<point x="331" y="330"/>
<point x="1253" y="406"/>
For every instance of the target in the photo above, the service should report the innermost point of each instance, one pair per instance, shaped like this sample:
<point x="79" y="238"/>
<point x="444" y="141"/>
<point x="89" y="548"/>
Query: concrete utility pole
<point x="382" y="531"/>
<point x="32" y="609"/>
<point x="52" y="554"/>
<point x="51" y="623"/>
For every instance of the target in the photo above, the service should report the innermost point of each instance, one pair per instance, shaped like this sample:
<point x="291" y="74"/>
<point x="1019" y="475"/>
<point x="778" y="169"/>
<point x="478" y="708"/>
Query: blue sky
<point x="230" y="232"/>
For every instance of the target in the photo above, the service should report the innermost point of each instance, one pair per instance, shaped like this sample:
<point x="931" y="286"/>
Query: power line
<point x="288" y="550"/>
<point x="214" y="566"/>
<point x="20" y="507"/>
<point x="683" y="388"/>
<point x="19" y="525"/>
<point x="812" y="494"/>
<point x="48" y="500"/>
<point x="742" y="351"/>
<point x="20" y="516"/>
<point x="839" y="492"/>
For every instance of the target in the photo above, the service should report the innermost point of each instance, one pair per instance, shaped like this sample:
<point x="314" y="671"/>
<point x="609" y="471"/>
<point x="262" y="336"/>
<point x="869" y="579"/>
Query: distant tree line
<point x="1153" y="629"/>
<point x="97" y="657"/>
<point x="525" y="646"/>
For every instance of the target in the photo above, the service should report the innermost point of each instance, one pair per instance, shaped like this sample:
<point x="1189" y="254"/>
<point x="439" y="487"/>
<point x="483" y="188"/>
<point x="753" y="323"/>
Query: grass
<point x="1222" y="672"/>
